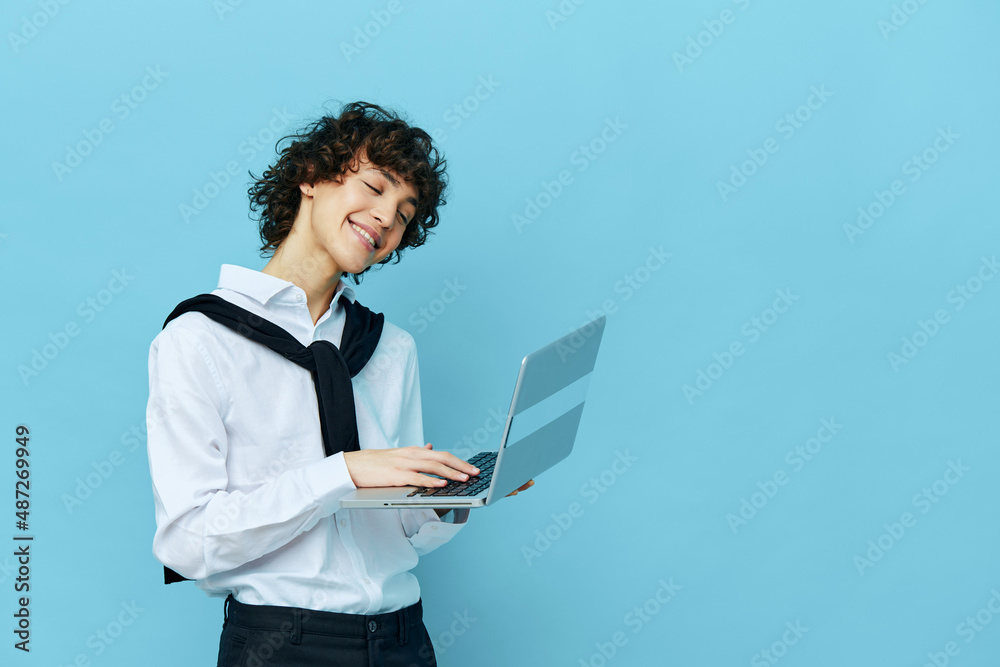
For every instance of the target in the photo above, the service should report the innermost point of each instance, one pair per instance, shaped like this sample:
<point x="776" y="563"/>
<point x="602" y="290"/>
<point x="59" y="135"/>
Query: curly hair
<point x="326" y="149"/>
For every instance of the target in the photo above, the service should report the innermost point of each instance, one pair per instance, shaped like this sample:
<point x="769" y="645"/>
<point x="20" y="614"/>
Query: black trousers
<point x="264" y="635"/>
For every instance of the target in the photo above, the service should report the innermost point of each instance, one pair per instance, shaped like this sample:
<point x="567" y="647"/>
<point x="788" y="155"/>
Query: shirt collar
<point x="263" y="287"/>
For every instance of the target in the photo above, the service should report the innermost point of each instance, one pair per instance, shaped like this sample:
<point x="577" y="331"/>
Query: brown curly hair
<point x="325" y="149"/>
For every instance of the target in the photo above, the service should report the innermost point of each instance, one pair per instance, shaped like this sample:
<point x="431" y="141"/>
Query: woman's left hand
<point x="515" y="492"/>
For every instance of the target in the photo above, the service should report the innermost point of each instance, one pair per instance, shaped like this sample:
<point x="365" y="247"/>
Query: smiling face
<point x="360" y="220"/>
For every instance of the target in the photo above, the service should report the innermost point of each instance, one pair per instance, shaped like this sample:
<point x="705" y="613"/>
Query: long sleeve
<point x="425" y="530"/>
<point x="201" y="527"/>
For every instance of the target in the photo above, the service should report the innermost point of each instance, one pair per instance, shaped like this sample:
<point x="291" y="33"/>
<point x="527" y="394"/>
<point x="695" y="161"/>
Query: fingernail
<point x="464" y="476"/>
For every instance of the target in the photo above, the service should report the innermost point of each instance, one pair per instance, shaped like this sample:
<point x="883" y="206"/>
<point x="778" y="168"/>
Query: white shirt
<point x="246" y="499"/>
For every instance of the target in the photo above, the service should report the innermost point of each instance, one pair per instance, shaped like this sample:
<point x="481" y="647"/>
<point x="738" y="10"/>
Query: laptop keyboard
<point x="484" y="461"/>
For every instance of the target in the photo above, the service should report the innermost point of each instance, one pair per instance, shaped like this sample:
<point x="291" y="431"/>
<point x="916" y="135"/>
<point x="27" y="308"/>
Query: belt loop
<point x="225" y="610"/>
<point x="297" y="626"/>
<point x="402" y="621"/>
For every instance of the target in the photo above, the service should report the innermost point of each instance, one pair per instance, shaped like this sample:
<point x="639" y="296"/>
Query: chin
<point x="355" y="267"/>
<point x="350" y="262"/>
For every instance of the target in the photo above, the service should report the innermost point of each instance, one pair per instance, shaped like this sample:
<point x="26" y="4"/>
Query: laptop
<point x="539" y="431"/>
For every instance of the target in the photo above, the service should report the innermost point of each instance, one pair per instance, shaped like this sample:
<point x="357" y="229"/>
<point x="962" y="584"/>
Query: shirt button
<point x="372" y="626"/>
<point x="367" y="580"/>
<point x="298" y="297"/>
<point x="343" y="523"/>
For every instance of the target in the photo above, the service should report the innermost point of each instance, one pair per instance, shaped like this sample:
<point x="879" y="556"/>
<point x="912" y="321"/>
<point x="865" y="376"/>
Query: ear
<point x="308" y="188"/>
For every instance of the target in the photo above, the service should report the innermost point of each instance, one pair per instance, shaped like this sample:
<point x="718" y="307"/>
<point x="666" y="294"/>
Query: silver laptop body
<point x="539" y="432"/>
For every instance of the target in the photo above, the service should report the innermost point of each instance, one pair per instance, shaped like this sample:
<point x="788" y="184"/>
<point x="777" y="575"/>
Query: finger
<point x="423" y="480"/>
<point x="459" y="464"/>
<point x="514" y="493"/>
<point x="443" y="470"/>
<point x="448" y="459"/>
<point x="434" y="467"/>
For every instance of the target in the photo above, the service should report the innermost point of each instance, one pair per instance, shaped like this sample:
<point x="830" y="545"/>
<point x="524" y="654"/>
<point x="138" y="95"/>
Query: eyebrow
<point x="395" y="182"/>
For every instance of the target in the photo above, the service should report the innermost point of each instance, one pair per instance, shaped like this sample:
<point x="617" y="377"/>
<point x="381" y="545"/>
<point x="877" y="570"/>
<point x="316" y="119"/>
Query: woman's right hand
<point x="406" y="466"/>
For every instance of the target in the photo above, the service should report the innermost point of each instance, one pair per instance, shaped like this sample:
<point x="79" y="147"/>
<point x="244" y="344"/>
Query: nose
<point x="382" y="214"/>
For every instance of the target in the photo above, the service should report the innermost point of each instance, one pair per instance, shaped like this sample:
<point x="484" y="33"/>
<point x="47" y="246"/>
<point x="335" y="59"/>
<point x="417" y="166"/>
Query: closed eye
<point x="378" y="192"/>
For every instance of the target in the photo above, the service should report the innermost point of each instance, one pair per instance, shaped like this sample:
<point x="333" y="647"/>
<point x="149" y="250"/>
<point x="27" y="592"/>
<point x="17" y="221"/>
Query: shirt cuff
<point x="329" y="480"/>
<point x="433" y="531"/>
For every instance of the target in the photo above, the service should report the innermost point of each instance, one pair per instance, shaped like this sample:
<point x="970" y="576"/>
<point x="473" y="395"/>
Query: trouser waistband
<point x="293" y="621"/>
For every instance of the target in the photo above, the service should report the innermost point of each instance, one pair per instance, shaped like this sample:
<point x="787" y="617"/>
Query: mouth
<point x="367" y="233"/>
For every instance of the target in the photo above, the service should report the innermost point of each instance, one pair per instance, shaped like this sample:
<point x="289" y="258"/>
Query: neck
<point x="315" y="274"/>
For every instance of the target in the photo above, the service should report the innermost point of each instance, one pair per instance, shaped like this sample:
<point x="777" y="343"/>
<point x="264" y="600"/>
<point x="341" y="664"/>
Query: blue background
<point x="542" y="591"/>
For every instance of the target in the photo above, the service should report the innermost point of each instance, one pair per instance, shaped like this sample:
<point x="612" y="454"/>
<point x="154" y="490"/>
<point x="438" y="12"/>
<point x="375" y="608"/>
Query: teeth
<point x="365" y="234"/>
